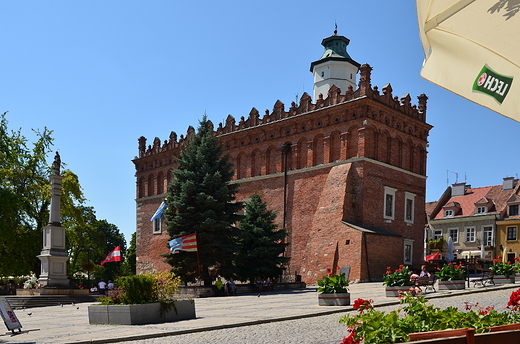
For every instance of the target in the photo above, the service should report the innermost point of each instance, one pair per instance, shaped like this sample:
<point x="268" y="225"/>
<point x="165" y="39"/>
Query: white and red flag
<point x="114" y="256"/>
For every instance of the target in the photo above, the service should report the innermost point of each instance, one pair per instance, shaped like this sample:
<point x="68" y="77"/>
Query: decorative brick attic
<point x="346" y="175"/>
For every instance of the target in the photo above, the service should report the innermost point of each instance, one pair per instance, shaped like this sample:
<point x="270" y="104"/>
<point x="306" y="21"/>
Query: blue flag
<point x="160" y="211"/>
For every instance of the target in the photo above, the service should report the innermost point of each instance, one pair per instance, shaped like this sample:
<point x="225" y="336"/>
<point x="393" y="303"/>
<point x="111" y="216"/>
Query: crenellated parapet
<point x="334" y="97"/>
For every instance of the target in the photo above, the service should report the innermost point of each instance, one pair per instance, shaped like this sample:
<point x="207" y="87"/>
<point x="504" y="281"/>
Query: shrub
<point x="451" y="272"/>
<point x="333" y="283"/>
<point x="499" y="268"/>
<point x="400" y="277"/>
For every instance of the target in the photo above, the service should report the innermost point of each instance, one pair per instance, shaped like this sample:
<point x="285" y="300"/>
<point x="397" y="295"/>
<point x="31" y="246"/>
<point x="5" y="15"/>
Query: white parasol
<point x="482" y="251"/>
<point x="450" y="256"/>
<point x="471" y="50"/>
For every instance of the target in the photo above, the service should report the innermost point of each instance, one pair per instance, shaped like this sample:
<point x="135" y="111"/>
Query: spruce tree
<point x="201" y="199"/>
<point x="260" y="243"/>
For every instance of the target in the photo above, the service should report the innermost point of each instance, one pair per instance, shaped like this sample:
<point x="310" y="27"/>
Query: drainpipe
<point x="286" y="148"/>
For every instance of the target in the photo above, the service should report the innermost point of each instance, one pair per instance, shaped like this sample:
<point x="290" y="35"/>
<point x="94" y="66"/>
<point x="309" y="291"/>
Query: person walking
<point x="102" y="287"/>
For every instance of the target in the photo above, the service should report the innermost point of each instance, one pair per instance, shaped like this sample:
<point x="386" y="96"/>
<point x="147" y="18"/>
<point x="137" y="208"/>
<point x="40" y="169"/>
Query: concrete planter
<point x="334" y="299"/>
<point x="501" y="279"/>
<point x="148" y="313"/>
<point x="395" y="291"/>
<point x="517" y="278"/>
<point x="452" y="285"/>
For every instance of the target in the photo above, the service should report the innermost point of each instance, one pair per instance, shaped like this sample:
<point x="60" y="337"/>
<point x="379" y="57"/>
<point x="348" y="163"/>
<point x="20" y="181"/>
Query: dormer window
<point x="513" y="210"/>
<point x="448" y="213"/>
<point x="481" y="210"/>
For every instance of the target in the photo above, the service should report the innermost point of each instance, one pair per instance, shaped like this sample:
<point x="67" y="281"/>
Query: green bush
<point x="137" y="289"/>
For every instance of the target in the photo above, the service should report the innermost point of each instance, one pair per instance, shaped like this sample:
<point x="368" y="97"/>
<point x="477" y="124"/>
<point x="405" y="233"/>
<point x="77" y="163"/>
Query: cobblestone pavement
<point x="285" y="316"/>
<point x="316" y="330"/>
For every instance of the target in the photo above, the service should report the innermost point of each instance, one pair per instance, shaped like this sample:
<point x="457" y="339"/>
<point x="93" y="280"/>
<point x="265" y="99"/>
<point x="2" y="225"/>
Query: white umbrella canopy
<point x="450" y="256"/>
<point x="471" y="50"/>
<point x="482" y="251"/>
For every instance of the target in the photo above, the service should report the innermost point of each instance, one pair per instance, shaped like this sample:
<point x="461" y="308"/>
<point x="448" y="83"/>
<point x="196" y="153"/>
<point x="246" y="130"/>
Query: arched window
<point x="150" y="185"/>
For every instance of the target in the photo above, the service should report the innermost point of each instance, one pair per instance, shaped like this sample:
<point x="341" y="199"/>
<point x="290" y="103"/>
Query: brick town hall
<point x="346" y="173"/>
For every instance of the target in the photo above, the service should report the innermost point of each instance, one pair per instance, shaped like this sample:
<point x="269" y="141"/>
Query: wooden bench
<point x="485" y="277"/>
<point x="426" y="282"/>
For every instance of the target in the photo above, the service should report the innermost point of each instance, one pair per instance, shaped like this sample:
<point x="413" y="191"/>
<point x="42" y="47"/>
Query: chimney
<point x="458" y="189"/>
<point x="508" y="183"/>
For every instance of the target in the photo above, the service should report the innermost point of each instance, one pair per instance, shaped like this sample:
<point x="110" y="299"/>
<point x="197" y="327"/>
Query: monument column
<point x="54" y="255"/>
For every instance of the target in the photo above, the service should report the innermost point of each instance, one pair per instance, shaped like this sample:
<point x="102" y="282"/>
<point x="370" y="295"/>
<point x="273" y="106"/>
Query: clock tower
<point x="335" y="67"/>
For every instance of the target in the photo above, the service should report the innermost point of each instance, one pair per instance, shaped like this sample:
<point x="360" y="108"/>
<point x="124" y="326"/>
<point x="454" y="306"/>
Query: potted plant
<point x="503" y="272"/>
<point x="451" y="276"/>
<point x="395" y="281"/>
<point x="416" y="314"/>
<point x="142" y="299"/>
<point x="333" y="290"/>
<point x="436" y="243"/>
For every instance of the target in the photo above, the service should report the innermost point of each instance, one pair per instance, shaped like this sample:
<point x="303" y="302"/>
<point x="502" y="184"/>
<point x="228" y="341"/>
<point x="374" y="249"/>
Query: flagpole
<point x="198" y="256"/>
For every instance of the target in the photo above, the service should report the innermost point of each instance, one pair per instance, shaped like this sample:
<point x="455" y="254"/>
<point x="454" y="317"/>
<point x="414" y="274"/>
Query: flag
<point x="185" y="243"/>
<point x="114" y="256"/>
<point x="159" y="212"/>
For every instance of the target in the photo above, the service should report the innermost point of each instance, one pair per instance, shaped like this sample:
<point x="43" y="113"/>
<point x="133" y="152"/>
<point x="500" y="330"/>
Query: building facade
<point x="346" y="173"/>
<point x="482" y="221"/>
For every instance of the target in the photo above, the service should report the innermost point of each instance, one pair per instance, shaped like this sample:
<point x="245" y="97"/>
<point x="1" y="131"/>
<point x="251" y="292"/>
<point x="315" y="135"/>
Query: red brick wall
<point x="344" y="150"/>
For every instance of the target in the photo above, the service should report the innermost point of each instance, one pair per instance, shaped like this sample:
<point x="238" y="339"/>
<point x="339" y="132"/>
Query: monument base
<point x="51" y="291"/>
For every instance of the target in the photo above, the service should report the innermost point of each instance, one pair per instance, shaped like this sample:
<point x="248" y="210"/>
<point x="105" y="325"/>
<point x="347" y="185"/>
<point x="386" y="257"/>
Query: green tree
<point x="25" y="198"/>
<point x="111" y="237"/>
<point x="260" y="243"/>
<point x="129" y="264"/>
<point x="201" y="199"/>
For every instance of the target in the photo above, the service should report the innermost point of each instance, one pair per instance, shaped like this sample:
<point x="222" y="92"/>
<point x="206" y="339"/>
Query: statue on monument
<point x="57" y="164"/>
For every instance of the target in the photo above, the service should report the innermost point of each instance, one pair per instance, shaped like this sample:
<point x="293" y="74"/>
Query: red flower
<point x="401" y="266"/>
<point x="350" y="339"/>
<point x="363" y="305"/>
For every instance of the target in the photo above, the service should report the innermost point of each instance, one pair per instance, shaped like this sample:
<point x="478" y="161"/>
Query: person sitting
<point x="258" y="284"/>
<point x="231" y="287"/>
<point x="424" y="272"/>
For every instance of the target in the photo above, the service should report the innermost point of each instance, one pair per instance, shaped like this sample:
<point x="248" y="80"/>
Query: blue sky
<point x="103" y="73"/>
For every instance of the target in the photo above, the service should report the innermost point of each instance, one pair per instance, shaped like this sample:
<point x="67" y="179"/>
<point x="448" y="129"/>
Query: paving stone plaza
<point x="289" y="316"/>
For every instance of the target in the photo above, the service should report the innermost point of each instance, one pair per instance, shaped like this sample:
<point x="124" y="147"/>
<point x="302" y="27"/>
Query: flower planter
<point x="334" y="299"/>
<point x="501" y="279"/>
<point x="517" y="278"/>
<point x="148" y="313"/>
<point x="394" y="291"/>
<point x="452" y="285"/>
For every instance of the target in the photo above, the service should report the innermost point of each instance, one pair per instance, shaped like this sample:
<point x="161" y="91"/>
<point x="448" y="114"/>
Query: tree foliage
<point x="260" y="243"/>
<point x="24" y="198"/>
<point x="24" y="208"/>
<point x="130" y="263"/>
<point x="201" y="199"/>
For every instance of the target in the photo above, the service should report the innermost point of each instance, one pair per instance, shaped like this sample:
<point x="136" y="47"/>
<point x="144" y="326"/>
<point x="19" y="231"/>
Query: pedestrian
<point x="102" y="286"/>
<point x="110" y="285"/>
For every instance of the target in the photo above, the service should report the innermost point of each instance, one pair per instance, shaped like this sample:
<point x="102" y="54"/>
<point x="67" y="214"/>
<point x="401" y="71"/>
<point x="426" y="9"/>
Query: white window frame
<point x="408" y="260"/>
<point x="157" y="226"/>
<point x="481" y="210"/>
<point x="448" y="213"/>
<point x="469" y="233"/>
<point x="516" y="233"/>
<point x="437" y="233"/>
<point x="487" y="235"/>
<point x="408" y="196"/>
<point x="455" y="237"/>
<point x="389" y="192"/>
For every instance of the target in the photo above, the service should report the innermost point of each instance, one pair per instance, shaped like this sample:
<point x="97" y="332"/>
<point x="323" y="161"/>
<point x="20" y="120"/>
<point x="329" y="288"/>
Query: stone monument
<point x="54" y="254"/>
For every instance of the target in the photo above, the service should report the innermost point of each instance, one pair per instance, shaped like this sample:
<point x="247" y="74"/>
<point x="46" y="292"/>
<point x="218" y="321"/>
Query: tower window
<point x="322" y="74"/>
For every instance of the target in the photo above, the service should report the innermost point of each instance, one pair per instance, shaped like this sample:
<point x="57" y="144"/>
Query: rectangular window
<point x="470" y="234"/>
<point x="448" y="213"/>
<point x="511" y="233"/>
<point x="409" y="207"/>
<point x="454" y="234"/>
<point x="437" y="234"/>
<point x="513" y="210"/>
<point x="408" y="250"/>
<point x="488" y="236"/>
<point x="481" y="210"/>
<point x="157" y="226"/>
<point x="389" y="203"/>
